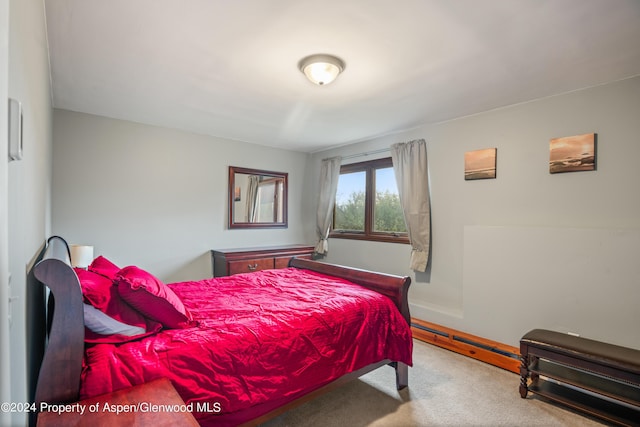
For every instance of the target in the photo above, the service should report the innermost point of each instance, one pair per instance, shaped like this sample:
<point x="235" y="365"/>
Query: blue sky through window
<point x="355" y="182"/>
<point x="386" y="180"/>
<point x="348" y="184"/>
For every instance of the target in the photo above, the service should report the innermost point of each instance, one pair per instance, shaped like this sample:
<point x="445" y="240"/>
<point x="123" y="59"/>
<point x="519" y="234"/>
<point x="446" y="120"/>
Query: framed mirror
<point x="257" y="198"/>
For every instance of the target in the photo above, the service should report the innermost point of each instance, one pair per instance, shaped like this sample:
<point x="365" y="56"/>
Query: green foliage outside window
<point x="388" y="215"/>
<point x="350" y="214"/>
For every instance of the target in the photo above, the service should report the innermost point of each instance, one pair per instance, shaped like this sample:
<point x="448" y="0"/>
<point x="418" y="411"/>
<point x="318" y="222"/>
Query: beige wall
<point x="28" y="179"/>
<point x="5" y="362"/>
<point x="157" y="197"/>
<point x="523" y="195"/>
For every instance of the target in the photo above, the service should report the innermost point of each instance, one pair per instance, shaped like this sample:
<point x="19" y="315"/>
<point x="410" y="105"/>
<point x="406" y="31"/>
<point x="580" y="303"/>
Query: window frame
<point x="369" y="167"/>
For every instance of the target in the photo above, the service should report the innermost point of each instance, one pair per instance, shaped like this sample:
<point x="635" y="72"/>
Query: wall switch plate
<point x="15" y="130"/>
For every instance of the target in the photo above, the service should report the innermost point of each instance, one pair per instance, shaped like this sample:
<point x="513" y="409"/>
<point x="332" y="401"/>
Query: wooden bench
<point x="155" y="404"/>
<point x="591" y="376"/>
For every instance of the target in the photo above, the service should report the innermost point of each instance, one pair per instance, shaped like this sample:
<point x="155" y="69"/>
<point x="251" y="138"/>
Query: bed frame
<point x="58" y="374"/>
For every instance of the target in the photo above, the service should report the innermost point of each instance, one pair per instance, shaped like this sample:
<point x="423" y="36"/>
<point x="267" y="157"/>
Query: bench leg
<point x="524" y="375"/>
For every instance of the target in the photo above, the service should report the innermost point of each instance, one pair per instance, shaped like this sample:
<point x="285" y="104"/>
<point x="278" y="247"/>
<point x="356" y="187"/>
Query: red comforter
<point x="263" y="339"/>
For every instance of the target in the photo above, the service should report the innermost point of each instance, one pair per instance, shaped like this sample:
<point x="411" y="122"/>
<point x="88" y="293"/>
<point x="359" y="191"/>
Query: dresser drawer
<point x="250" y="265"/>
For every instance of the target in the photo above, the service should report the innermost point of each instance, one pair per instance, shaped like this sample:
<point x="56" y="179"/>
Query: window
<point x="269" y="200"/>
<point x="367" y="203"/>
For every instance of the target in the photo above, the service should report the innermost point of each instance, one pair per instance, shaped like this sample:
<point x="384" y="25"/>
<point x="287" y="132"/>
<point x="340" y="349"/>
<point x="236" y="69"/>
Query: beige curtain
<point x="410" y="167"/>
<point x="329" y="175"/>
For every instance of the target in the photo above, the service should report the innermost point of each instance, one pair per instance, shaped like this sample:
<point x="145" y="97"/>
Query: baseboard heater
<point x="492" y="352"/>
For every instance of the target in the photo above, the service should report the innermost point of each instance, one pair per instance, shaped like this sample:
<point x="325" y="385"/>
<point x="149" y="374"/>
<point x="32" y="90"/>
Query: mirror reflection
<point x="257" y="198"/>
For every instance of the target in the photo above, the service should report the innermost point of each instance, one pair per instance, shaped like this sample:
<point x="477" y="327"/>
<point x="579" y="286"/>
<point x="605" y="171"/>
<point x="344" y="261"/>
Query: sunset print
<point x="573" y="153"/>
<point x="480" y="164"/>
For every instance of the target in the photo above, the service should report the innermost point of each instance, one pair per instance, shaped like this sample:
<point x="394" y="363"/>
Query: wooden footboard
<point x="395" y="287"/>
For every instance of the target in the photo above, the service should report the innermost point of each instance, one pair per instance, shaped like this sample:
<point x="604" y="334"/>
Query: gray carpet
<point x="445" y="389"/>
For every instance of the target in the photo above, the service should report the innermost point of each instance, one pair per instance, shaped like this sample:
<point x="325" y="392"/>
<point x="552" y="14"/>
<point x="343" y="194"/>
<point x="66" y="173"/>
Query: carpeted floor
<point x="445" y="389"/>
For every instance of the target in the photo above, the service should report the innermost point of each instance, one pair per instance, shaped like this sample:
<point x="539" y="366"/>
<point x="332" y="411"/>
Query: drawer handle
<point x="253" y="267"/>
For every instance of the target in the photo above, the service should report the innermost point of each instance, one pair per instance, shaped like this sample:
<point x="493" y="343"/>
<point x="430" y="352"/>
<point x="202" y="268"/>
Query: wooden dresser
<point x="246" y="260"/>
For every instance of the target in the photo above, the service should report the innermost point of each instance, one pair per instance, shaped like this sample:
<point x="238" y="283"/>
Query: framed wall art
<point x="480" y="164"/>
<point x="573" y="153"/>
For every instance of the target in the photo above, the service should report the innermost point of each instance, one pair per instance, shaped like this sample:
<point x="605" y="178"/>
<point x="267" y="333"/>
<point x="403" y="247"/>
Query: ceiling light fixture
<point x="321" y="69"/>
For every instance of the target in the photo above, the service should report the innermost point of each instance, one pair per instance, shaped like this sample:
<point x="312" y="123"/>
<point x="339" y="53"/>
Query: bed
<point x="249" y="346"/>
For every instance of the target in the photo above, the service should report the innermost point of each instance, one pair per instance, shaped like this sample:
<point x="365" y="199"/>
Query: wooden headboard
<point x="59" y="374"/>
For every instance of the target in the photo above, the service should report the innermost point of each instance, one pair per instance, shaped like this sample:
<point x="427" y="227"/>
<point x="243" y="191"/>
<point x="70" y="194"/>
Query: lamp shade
<point x="81" y="255"/>
<point x="321" y="69"/>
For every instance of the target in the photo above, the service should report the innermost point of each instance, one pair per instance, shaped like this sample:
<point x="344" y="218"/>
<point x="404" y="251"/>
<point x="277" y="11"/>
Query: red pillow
<point x="147" y="294"/>
<point x="99" y="292"/>
<point x="103" y="266"/>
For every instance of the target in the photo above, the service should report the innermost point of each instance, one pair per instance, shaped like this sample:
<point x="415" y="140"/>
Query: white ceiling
<point x="228" y="68"/>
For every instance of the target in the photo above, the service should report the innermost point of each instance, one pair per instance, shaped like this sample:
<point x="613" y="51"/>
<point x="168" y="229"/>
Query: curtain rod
<point x="366" y="153"/>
